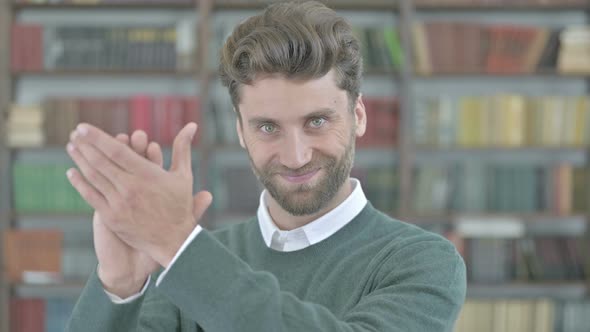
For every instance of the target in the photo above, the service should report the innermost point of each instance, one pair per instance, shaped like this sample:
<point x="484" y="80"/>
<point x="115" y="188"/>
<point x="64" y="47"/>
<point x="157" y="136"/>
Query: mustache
<point x="294" y="172"/>
<point x="312" y="166"/>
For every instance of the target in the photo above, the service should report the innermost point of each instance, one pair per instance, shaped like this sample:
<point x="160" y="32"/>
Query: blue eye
<point x="268" y="128"/>
<point x="317" y="122"/>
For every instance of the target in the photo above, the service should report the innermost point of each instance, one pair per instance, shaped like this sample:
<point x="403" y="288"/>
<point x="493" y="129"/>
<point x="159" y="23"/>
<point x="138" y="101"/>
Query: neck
<point x="286" y="221"/>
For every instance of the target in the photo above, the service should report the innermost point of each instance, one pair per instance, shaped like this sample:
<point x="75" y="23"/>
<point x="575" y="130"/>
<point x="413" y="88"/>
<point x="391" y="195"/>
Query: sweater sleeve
<point x="95" y="312"/>
<point x="220" y="292"/>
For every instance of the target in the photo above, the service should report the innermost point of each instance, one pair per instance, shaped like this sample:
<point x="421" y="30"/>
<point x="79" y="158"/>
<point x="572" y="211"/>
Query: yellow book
<point x="423" y="63"/>
<point x="500" y="313"/>
<point x="582" y="105"/>
<point x="513" y="120"/>
<point x="544" y="316"/>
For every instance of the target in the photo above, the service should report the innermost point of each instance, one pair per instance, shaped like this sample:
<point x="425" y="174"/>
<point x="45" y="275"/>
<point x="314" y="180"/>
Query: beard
<point x="308" y="198"/>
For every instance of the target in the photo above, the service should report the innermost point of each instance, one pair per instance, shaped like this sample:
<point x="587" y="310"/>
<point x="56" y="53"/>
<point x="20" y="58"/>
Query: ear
<point x="360" y="117"/>
<point x="239" y="129"/>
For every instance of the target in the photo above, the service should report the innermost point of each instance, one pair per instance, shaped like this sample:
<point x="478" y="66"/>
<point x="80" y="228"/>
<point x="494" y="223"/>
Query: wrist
<point x="123" y="286"/>
<point x="166" y="252"/>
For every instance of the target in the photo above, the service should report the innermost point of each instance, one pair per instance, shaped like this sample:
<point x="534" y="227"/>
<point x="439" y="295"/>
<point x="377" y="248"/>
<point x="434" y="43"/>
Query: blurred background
<point x="478" y="129"/>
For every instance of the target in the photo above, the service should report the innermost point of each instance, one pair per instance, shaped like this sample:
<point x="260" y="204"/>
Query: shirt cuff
<point x="190" y="239"/>
<point x="117" y="300"/>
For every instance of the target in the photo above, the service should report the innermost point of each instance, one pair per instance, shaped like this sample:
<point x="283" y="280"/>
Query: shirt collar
<point x="315" y="231"/>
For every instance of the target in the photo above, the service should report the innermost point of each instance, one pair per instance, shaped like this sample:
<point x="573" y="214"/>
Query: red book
<point x="36" y="51"/>
<point x="192" y="113"/>
<point x="385" y="130"/>
<point x="174" y="120"/>
<point x="27" y="315"/>
<point x="509" y="47"/>
<point x="141" y="114"/>
<point x="117" y="117"/>
<point x="158" y="120"/>
<point x="16" y="45"/>
<point x="28" y="45"/>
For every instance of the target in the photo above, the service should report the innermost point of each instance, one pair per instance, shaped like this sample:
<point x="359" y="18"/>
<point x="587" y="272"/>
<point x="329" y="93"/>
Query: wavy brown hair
<point x="299" y="40"/>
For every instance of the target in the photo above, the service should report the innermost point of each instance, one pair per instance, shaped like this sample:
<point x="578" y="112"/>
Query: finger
<point x="154" y="154"/>
<point x="123" y="138"/>
<point x="201" y="203"/>
<point x="92" y="176"/>
<point x="118" y="153"/>
<point x="95" y="164"/>
<point x="88" y="193"/>
<point x="139" y="142"/>
<point x="181" y="149"/>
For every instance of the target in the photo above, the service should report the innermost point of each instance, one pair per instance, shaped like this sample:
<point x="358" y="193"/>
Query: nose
<point x="296" y="151"/>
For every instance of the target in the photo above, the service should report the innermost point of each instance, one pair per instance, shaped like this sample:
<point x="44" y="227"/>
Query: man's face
<point x="300" y="139"/>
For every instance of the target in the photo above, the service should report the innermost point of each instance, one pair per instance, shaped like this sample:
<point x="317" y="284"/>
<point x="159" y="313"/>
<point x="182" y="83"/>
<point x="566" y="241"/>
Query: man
<point x="317" y="256"/>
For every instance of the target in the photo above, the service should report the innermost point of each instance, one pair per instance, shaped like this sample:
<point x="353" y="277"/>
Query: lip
<point x="300" y="178"/>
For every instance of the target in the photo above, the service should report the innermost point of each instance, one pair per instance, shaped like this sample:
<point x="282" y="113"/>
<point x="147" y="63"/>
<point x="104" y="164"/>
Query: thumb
<point x="201" y="203"/>
<point x="181" y="149"/>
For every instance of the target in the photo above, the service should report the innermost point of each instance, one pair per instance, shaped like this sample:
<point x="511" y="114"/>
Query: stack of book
<point x="25" y="126"/>
<point x="140" y="48"/>
<point x="527" y="259"/>
<point x="161" y="117"/>
<point x="479" y="187"/>
<point x="574" y="55"/>
<point x="381" y="48"/>
<point x="462" y="47"/>
<point x="506" y="120"/>
<point x="32" y="256"/>
<point x="382" y="122"/>
<point x="40" y="315"/>
<point x="44" y="188"/>
<point x="508" y="316"/>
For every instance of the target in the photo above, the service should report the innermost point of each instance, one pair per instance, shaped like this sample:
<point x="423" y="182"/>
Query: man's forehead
<point x="273" y="94"/>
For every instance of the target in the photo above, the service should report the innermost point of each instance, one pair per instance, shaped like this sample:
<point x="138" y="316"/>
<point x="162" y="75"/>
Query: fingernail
<point x="69" y="173"/>
<point x="70" y="147"/>
<point x="73" y="135"/>
<point x="82" y="130"/>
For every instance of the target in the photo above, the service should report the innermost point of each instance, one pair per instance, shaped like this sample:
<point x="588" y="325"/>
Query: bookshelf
<point x="5" y="190"/>
<point x="487" y="299"/>
<point x="216" y="157"/>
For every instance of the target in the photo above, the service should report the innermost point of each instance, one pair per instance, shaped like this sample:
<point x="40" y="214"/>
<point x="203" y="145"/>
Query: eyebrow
<point x="256" y="121"/>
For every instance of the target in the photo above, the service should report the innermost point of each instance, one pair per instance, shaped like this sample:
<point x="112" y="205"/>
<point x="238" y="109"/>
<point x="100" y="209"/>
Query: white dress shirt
<point x="280" y="240"/>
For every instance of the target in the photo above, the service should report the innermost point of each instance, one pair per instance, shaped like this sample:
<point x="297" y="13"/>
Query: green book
<point x="394" y="46"/>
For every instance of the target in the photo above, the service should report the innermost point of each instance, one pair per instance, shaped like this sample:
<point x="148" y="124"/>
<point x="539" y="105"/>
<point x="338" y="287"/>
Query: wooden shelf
<point x="533" y="224"/>
<point x="49" y="219"/>
<point x="544" y="73"/>
<point x="558" y="291"/>
<point x="70" y="289"/>
<point x="338" y="5"/>
<point x="115" y="6"/>
<point x="387" y="156"/>
<point x="502" y="7"/>
<point x="107" y="73"/>
<point x="371" y="73"/>
<point x="527" y="155"/>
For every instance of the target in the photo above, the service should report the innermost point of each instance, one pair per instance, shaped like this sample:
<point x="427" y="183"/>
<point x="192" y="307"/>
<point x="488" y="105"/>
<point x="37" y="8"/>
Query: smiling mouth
<point x="300" y="178"/>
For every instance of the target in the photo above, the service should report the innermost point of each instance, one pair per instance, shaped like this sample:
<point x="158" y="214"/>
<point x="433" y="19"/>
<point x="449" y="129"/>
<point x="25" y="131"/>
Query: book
<point x="31" y="250"/>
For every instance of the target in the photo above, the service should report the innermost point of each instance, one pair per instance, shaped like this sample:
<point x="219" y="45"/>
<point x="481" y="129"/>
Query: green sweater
<point x="375" y="274"/>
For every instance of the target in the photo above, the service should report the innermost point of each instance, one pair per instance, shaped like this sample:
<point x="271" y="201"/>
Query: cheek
<point x="261" y="152"/>
<point x="334" y="142"/>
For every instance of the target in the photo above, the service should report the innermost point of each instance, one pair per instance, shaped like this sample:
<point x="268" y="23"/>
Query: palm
<point x="118" y="260"/>
<point x="113" y="253"/>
